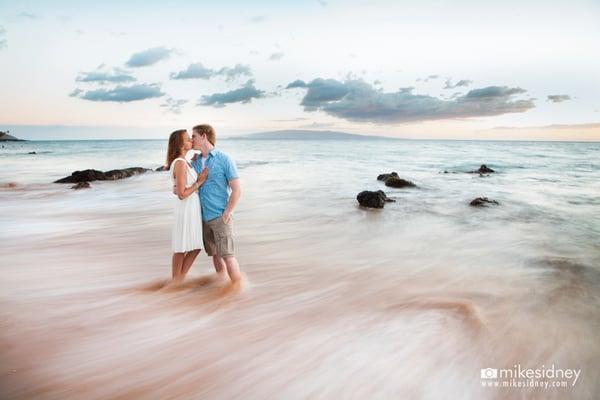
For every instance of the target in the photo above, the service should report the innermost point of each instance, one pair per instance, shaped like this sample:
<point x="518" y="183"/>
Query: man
<point x="216" y="203"/>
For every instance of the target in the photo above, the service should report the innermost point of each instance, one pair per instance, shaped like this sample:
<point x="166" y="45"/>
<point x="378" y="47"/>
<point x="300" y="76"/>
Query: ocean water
<point x="410" y="301"/>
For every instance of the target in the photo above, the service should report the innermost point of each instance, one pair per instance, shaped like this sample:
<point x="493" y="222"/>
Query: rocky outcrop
<point x="5" y="137"/>
<point x="384" y="177"/>
<point x="482" y="202"/>
<point x="90" y="175"/>
<point x="81" y="185"/>
<point x="398" y="183"/>
<point x="393" y="180"/>
<point x="162" y="168"/>
<point x="484" y="169"/>
<point x="370" y="199"/>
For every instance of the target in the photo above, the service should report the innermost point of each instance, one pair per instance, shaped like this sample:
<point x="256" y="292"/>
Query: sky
<point x="518" y="70"/>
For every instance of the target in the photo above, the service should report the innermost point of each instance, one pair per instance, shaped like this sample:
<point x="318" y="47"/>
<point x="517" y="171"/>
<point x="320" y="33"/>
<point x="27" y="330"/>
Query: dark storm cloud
<point x="99" y="76"/>
<point x="244" y="94"/>
<point x="120" y="94"/>
<point x="462" y="82"/>
<point x="357" y="100"/>
<point x="558" y="98"/>
<point x="199" y="71"/>
<point x="149" y="57"/>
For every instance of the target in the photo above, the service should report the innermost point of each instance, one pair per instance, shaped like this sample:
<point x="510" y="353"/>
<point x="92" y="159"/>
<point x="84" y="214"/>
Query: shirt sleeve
<point x="231" y="171"/>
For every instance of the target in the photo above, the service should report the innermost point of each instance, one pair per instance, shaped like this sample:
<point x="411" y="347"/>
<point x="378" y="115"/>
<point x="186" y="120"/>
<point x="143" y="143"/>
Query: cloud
<point x="29" y="15"/>
<point x="317" y="125"/>
<point x="199" y="71"/>
<point x="258" y="19"/>
<point x="322" y="3"/>
<point x="429" y="77"/>
<point x="357" y="100"/>
<point x="462" y="82"/>
<point x="296" y="84"/>
<point x="558" y="98"/>
<point x="149" y="57"/>
<point x="2" y="37"/>
<point x="116" y="76"/>
<point x="174" y="105"/>
<point x="194" y="71"/>
<point x="589" y="125"/>
<point x="276" y="56"/>
<point x="237" y="71"/>
<point x="290" y="120"/>
<point x="245" y="94"/>
<point x="120" y="94"/>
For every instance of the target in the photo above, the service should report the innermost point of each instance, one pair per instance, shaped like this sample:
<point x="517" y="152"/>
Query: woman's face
<point x="187" y="142"/>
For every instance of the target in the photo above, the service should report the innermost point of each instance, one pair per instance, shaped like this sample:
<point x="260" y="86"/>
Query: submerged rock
<point x="383" y="177"/>
<point x="32" y="152"/>
<point x="398" y="183"/>
<point x="115" y="174"/>
<point x="90" y="175"/>
<point x="81" y="185"/>
<point x="370" y="199"/>
<point x="482" y="202"/>
<point x="484" y="169"/>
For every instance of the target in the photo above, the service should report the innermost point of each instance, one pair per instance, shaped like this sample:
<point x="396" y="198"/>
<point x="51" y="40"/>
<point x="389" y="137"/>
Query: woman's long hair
<point x="175" y="144"/>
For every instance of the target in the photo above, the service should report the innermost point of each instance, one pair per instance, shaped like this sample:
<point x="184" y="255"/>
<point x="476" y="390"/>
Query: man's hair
<point x="205" y="129"/>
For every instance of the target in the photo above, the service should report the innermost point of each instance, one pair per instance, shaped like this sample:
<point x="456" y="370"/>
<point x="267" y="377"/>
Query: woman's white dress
<point x="187" y="228"/>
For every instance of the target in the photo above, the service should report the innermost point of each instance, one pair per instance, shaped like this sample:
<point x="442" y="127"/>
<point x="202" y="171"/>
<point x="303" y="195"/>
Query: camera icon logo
<point x="489" y="373"/>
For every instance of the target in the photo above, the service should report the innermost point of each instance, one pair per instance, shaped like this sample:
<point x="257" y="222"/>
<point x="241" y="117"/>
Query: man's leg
<point x="233" y="268"/>
<point x="220" y="265"/>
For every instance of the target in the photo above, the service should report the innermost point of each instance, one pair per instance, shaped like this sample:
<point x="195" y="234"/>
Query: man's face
<point x="197" y="140"/>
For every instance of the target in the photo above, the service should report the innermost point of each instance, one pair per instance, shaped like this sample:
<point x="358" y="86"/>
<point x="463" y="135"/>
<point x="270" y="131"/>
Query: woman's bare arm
<point x="180" y="180"/>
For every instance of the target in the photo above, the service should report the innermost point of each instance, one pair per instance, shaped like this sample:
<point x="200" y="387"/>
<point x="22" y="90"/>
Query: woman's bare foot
<point x="173" y="285"/>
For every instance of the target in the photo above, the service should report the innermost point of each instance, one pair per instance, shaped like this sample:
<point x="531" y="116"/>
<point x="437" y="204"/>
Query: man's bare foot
<point x="232" y="288"/>
<point x="200" y="282"/>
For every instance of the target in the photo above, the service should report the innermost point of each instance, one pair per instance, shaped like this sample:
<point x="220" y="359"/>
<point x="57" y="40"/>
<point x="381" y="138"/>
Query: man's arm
<point x="236" y="193"/>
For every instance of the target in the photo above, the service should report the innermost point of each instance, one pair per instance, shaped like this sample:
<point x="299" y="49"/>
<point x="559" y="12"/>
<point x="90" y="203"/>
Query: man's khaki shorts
<point x="218" y="237"/>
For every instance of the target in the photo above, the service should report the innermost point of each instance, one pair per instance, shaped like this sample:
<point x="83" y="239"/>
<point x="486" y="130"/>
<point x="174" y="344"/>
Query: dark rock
<point x="484" y="169"/>
<point x="32" y="152"/>
<point x="90" y="175"/>
<point x="482" y="202"/>
<point x="385" y="198"/>
<point x="87" y="175"/>
<point x="81" y="185"/>
<point x="398" y="183"/>
<point x="115" y="174"/>
<point x="373" y="199"/>
<point x="162" y="168"/>
<point x="383" y="177"/>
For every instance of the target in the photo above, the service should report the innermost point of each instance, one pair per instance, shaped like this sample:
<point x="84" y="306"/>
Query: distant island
<point x="307" y="135"/>
<point x="5" y="137"/>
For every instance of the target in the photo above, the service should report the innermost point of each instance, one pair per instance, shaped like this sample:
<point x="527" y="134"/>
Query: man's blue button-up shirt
<point x="214" y="193"/>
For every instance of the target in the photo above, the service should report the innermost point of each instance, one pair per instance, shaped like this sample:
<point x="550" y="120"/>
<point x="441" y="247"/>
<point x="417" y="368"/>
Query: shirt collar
<point x="213" y="152"/>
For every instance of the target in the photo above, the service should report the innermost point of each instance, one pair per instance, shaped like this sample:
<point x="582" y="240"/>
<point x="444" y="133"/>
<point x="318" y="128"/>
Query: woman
<point x="187" y="229"/>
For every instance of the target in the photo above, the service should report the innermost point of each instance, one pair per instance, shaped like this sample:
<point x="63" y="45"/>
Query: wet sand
<point x="407" y="302"/>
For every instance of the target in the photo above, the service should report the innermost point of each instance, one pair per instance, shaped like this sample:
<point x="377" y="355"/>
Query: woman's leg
<point x="188" y="260"/>
<point x="176" y="265"/>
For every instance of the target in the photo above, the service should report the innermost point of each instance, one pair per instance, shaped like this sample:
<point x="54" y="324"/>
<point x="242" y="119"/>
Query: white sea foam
<point x="406" y="302"/>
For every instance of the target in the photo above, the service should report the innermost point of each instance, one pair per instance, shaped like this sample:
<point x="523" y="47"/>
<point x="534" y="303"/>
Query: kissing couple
<point x="204" y="207"/>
